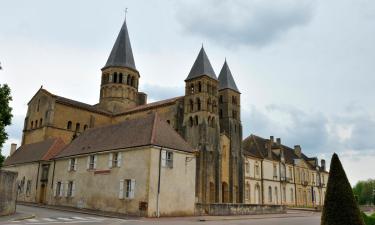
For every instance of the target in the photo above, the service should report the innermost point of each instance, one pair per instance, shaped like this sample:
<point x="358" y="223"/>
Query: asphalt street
<point x="44" y="216"/>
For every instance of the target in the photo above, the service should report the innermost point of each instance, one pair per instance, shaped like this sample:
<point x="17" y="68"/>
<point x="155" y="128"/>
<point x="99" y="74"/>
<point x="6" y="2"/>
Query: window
<point x="85" y="127"/>
<point x="220" y="99"/>
<point x="36" y="123"/>
<point x="69" y="126"/>
<point x="120" y="78"/>
<point x="269" y="194"/>
<point x="28" y="187"/>
<point x="191" y="122"/>
<point x="91" y="162"/>
<point x="71" y="189"/>
<point x="110" y="78"/>
<point x="234" y="114"/>
<point x="276" y="196"/>
<point x="234" y="100"/>
<point x="127" y="187"/>
<point x="196" y="120"/>
<point x="209" y="105"/>
<point x="191" y="103"/>
<point x="167" y="159"/>
<point x="290" y="174"/>
<point x="132" y="82"/>
<point x="72" y="164"/>
<point x="247" y="191"/>
<point x="32" y="124"/>
<point x="257" y="169"/>
<point x="199" y="87"/>
<point x="220" y="113"/>
<point x="198" y="104"/>
<point x="247" y="168"/>
<point x="115" y="159"/>
<point x="128" y="80"/>
<point x="59" y="189"/>
<point x="40" y="122"/>
<point x="78" y="126"/>
<point x="208" y="88"/>
<point x="275" y="171"/>
<point x="45" y="169"/>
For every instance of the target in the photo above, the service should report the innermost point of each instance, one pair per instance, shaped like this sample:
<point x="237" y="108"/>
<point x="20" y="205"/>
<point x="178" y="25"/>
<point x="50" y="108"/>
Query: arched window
<point x="32" y="124"/>
<point x="198" y="104"/>
<point x="36" y="123"/>
<point x="209" y="105"/>
<point x="110" y="78"/>
<point x="120" y="78"/>
<point x="191" y="122"/>
<point x="40" y="122"/>
<point x="234" y="100"/>
<point x="276" y="196"/>
<point x="213" y="122"/>
<point x="78" y="126"/>
<point x="214" y="106"/>
<point x="209" y="121"/>
<point x="220" y="99"/>
<point x="191" y="88"/>
<point x="69" y="126"/>
<point x="208" y="88"/>
<point x="168" y="121"/>
<point x="115" y="77"/>
<point x="247" y="191"/>
<point x="196" y="120"/>
<point x="269" y="194"/>
<point x="85" y="127"/>
<point x="220" y="113"/>
<point x="128" y="80"/>
<point x="132" y="82"/>
<point x="191" y="103"/>
<point x="199" y="86"/>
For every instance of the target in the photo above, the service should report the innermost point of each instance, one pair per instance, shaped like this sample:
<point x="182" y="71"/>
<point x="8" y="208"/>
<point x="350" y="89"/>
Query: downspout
<point x="37" y="179"/>
<point x="261" y="178"/>
<point x="157" y="195"/>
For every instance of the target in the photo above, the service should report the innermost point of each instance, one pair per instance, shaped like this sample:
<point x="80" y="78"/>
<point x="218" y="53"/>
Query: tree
<point x="340" y="207"/>
<point x="364" y="191"/>
<point x="5" y="116"/>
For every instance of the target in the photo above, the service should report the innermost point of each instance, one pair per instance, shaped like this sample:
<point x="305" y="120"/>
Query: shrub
<point x="369" y="220"/>
<point x="340" y="206"/>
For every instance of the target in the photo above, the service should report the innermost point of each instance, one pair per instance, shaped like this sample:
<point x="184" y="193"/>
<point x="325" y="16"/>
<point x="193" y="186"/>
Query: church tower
<point x="201" y="126"/>
<point x="230" y="125"/>
<point x="119" y="83"/>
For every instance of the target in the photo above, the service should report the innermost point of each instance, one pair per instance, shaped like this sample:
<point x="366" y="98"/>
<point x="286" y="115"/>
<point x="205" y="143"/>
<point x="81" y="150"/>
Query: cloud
<point x="157" y="93"/>
<point x="244" y="22"/>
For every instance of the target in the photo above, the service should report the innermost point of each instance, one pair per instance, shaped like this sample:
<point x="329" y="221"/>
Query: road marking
<point x="49" y="219"/>
<point x="32" y="220"/>
<point x="65" y="219"/>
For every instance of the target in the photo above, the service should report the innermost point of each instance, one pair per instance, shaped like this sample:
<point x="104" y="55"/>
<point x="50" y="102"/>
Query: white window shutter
<point x="132" y="190"/>
<point x="75" y="164"/>
<point x="73" y="188"/>
<point x="69" y="164"/>
<point x="121" y="190"/>
<point x="95" y="158"/>
<point x="110" y="158"/>
<point x="164" y="158"/>
<point x="119" y="159"/>
<point x="61" y="189"/>
<point x="54" y="190"/>
<point x="88" y="162"/>
<point x="66" y="189"/>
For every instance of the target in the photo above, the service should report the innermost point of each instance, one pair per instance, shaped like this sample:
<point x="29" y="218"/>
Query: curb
<point x="24" y="218"/>
<point x="247" y="218"/>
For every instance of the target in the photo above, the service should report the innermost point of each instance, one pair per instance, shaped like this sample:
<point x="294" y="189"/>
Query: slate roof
<point x="226" y="79"/>
<point x="147" y="131"/>
<point x="201" y="67"/>
<point x="122" y="54"/>
<point x="256" y="146"/>
<point x="39" y="151"/>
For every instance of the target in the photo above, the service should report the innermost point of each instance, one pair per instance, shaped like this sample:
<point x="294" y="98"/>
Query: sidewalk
<point x="17" y="216"/>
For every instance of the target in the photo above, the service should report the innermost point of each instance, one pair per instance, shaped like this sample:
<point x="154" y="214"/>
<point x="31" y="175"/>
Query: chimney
<point x="297" y="150"/>
<point x="323" y="164"/>
<point x="278" y="141"/>
<point x="13" y="148"/>
<point x="271" y="140"/>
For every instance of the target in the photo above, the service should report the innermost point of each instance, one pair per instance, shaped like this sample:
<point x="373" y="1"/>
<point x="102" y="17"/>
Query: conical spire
<point x="201" y="66"/>
<point x="226" y="79"/>
<point x="122" y="54"/>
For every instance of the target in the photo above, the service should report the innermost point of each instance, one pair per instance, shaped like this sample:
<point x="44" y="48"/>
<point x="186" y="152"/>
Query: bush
<point x="340" y="206"/>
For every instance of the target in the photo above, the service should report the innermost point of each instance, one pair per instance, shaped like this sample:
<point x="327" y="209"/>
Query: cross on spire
<point x="126" y="11"/>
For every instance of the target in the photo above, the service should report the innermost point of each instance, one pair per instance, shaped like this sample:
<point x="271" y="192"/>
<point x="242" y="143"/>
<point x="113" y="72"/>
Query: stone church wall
<point x="8" y="192"/>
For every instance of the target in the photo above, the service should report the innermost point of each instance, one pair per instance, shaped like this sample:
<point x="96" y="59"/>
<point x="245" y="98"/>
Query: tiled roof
<point x="70" y="102"/>
<point x="34" y="152"/>
<point x="122" y="54"/>
<point x="147" y="131"/>
<point x="226" y="79"/>
<point x="201" y="67"/>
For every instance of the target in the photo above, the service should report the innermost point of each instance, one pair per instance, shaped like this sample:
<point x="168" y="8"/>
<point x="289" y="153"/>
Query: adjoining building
<point x="278" y="175"/>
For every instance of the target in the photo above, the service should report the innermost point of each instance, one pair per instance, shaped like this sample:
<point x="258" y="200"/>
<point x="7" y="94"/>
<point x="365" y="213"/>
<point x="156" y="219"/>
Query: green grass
<point x="369" y="220"/>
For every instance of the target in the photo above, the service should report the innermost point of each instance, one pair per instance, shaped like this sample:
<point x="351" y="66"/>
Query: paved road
<point x="45" y="216"/>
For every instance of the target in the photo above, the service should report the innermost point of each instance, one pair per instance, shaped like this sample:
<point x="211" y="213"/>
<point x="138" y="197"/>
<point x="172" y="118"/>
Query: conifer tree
<point x="340" y="206"/>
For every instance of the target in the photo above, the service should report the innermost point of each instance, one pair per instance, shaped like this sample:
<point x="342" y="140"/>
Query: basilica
<point x="126" y="155"/>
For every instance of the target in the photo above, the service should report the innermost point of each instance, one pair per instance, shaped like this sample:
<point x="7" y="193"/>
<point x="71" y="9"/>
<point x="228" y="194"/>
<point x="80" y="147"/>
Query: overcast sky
<point x="305" y="67"/>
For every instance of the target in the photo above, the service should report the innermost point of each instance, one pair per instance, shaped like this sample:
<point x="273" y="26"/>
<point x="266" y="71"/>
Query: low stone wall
<point x="8" y="192"/>
<point x="226" y="209"/>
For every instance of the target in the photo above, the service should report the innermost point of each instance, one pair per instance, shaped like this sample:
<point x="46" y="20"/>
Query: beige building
<point x="278" y="175"/>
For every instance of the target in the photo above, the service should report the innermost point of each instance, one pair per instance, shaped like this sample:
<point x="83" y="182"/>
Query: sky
<point x="305" y="68"/>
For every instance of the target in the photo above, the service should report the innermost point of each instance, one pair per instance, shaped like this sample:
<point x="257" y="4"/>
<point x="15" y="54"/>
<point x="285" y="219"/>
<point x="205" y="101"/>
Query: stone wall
<point x="237" y="209"/>
<point x="8" y="192"/>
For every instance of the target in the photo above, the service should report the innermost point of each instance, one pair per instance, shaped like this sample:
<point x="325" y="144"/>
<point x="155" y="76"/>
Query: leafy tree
<point x="340" y="207"/>
<point x="5" y="115"/>
<point x="364" y="192"/>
